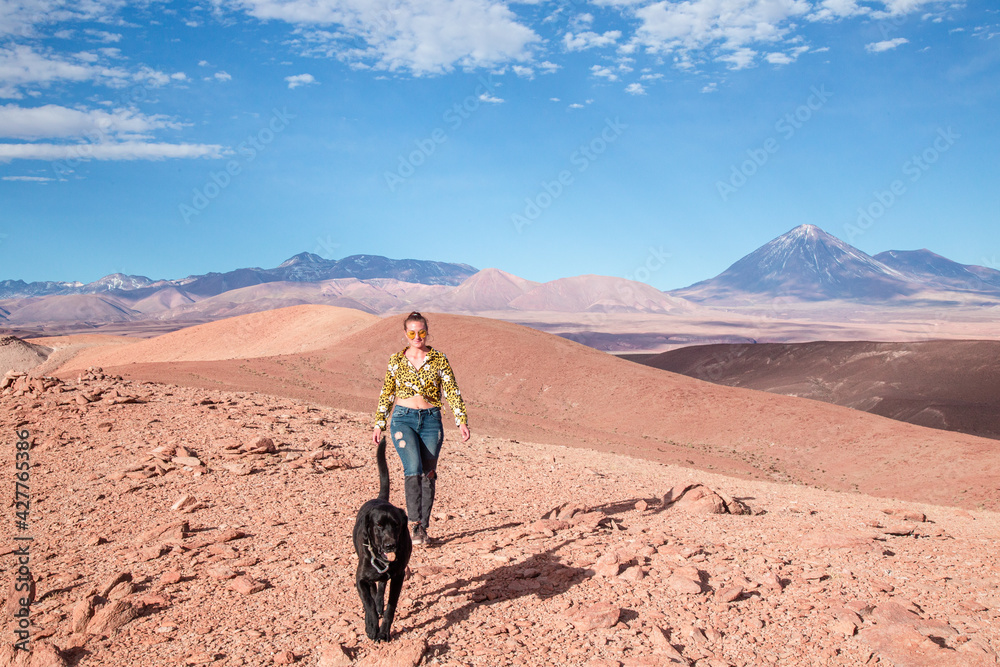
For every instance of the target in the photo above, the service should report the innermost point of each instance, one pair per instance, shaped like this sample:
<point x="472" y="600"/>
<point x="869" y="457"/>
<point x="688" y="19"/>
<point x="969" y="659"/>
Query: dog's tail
<point x="383" y="471"/>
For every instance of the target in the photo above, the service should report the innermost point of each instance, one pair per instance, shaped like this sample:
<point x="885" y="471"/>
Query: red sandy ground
<point x="610" y="578"/>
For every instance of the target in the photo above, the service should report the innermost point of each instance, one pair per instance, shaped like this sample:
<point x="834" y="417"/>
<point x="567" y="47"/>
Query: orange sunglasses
<point x="411" y="334"/>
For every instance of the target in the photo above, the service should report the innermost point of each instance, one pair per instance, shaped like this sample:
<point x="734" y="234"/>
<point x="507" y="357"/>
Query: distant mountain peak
<point x="302" y="258"/>
<point x="809" y="231"/>
<point x="809" y="264"/>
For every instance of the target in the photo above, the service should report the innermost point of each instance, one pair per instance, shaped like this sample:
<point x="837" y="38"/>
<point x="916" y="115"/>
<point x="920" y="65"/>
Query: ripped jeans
<point x="417" y="436"/>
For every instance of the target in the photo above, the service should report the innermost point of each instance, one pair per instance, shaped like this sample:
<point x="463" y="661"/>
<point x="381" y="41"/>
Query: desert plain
<point x="192" y="496"/>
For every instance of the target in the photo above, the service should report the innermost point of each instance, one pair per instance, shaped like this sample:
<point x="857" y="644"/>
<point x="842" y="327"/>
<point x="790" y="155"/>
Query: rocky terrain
<point x="188" y="526"/>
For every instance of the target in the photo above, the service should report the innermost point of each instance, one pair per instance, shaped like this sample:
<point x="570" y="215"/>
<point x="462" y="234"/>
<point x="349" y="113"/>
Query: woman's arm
<point x="385" y="401"/>
<point x="449" y="389"/>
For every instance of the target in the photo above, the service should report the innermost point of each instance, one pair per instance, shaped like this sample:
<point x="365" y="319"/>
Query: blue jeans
<point x="417" y="436"/>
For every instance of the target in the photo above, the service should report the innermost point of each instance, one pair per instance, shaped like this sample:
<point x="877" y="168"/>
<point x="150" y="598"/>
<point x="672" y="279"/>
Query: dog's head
<point x="386" y="531"/>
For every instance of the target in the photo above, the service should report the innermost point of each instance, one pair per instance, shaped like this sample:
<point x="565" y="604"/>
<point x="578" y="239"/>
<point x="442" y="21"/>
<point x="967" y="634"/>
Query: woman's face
<point x="415" y="329"/>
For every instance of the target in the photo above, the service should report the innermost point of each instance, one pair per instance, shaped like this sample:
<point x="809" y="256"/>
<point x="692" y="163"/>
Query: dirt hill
<point x="951" y="385"/>
<point x="523" y="384"/>
<point x="286" y="330"/>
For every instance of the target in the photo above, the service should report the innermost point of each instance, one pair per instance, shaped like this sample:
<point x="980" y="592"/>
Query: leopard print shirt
<point x="432" y="380"/>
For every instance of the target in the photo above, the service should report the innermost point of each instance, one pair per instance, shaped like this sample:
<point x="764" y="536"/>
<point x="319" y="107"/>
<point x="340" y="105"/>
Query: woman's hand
<point x="376" y="435"/>
<point x="464" y="430"/>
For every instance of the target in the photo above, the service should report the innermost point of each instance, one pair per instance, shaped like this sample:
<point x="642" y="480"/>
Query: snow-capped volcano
<point x="806" y="264"/>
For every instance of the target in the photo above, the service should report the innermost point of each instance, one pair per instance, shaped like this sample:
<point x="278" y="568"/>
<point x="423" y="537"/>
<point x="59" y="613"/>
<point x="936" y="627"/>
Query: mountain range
<point x="304" y="267"/>
<point x="804" y="265"/>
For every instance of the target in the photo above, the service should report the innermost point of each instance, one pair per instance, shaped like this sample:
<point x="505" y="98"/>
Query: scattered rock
<point x="699" y="499"/>
<point x="111" y="617"/>
<point x="908" y="515"/>
<point x="263" y="445"/>
<point x="592" y="617"/>
<point x="111" y="582"/>
<point x="333" y="655"/>
<point x="246" y="585"/>
<point x="663" y="647"/>
<point x="400" y="652"/>
<point x="83" y="611"/>
<point x="284" y="658"/>
<point x="729" y="593"/>
<point x="185" y="504"/>
<point x="170" y="577"/>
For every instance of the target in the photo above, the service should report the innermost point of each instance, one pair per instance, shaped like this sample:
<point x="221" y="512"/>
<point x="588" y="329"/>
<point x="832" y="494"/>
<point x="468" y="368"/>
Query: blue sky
<point x="658" y="141"/>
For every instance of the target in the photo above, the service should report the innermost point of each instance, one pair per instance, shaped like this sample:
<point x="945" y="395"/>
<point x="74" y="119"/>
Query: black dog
<point x="382" y="540"/>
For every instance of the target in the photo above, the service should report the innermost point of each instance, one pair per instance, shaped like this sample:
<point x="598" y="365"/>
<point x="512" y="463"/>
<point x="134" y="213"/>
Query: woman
<point x="416" y="378"/>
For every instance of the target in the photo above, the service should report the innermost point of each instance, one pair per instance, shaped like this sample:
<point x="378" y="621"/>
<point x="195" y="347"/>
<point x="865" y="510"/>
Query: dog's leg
<point x="380" y="599"/>
<point x="395" y="587"/>
<point x="366" y="590"/>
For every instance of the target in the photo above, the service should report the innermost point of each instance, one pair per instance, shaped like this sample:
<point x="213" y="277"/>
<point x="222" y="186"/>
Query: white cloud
<point x="152" y="77"/>
<point x="725" y="27"/>
<point x="575" y="105"/>
<point x="779" y="58"/>
<point x="741" y="58"/>
<point x="829" y="10"/>
<point x="587" y="40"/>
<point x="491" y="99"/>
<point x="710" y="87"/>
<point x="422" y="36"/>
<point x="548" y="68"/>
<point x="522" y="71"/>
<point x="222" y="76"/>
<point x="29" y="179"/>
<point x="21" y="66"/>
<point x="878" y="47"/>
<point x="22" y="18"/>
<point x="127" y="150"/>
<point x="103" y="36"/>
<point x="554" y="99"/>
<point x="651" y="77"/>
<point x="202" y="63"/>
<point x="299" y="80"/>
<point x="900" y="7"/>
<point x="605" y="72"/>
<point x="53" y="121"/>
<point x="635" y="89"/>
